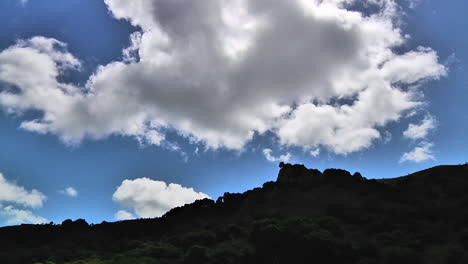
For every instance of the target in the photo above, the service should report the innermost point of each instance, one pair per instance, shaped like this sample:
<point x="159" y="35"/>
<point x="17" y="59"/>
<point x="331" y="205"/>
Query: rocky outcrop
<point x="297" y="174"/>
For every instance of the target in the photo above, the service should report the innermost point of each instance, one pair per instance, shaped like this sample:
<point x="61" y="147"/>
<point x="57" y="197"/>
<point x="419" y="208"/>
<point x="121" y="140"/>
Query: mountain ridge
<point x="336" y="216"/>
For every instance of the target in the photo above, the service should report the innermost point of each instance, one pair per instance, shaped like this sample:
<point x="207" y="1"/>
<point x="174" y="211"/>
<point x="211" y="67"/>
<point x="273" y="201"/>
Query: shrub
<point x="202" y="237"/>
<point x="196" y="254"/>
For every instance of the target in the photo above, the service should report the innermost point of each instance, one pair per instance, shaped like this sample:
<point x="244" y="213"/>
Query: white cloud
<point x="14" y="196"/>
<point x="421" y="153"/>
<point x="70" y="191"/>
<point x="124" y="215"/>
<point x="387" y="137"/>
<point x="315" y="152"/>
<point x="414" y="3"/>
<point x="12" y="193"/>
<point x="420" y="131"/>
<point x="312" y="72"/>
<point x="16" y="216"/>
<point x="149" y="198"/>
<point x="284" y="158"/>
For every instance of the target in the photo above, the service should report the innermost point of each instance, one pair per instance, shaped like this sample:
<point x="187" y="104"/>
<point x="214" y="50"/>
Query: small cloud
<point x="124" y="215"/>
<point x="284" y="158"/>
<point x="412" y="113"/>
<point x="387" y="137"/>
<point x="315" y="152"/>
<point x="149" y="198"/>
<point x="174" y="147"/>
<point x="420" y="131"/>
<point x="154" y="138"/>
<point x="70" y="191"/>
<point x="421" y="153"/>
<point x="452" y="61"/>
<point x="414" y="3"/>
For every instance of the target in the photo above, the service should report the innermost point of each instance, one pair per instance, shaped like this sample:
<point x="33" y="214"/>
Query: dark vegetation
<point x="304" y="217"/>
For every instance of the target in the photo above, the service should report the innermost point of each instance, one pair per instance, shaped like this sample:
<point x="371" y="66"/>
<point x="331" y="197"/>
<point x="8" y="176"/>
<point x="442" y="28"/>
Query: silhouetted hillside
<point x="306" y="216"/>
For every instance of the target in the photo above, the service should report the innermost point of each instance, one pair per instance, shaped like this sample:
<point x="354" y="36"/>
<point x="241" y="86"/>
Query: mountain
<point x="306" y="216"/>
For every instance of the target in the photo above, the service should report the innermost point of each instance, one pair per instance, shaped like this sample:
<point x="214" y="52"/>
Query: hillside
<point x="306" y="216"/>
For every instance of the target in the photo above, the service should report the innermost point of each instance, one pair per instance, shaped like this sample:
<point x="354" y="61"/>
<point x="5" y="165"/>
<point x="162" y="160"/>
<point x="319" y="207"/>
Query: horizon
<point x="112" y="111"/>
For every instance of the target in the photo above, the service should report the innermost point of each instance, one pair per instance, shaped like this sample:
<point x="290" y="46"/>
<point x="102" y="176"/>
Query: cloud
<point x="315" y="152"/>
<point x="149" y="198"/>
<point x="420" y="131"/>
<point x="70" y="191"/>
<point x="14" y="196"/>
<point x="124" y="215"/>
<point x="12" y="193"/>
<point x="421" y="153"/>
<point x="414" y="3"/>
<point x="16" y="216"/>
<point x="284" y="158"/>
<point x="313" y="73"/>
<point x="387" y="137"/>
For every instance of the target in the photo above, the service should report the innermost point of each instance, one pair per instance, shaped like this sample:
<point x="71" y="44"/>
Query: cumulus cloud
<point x="15" y="216"/>
<point x="420" y="131"/>
<point x="14" y="196"/>
<point x="124" y="215"/>
<point x="12" y="193"/>
<point x="150" y="198"/>
<point x="314" y="73"/>
<point x="268" y="155"/>
<point x="70" y="191"/>
<point x="421" y="153"/>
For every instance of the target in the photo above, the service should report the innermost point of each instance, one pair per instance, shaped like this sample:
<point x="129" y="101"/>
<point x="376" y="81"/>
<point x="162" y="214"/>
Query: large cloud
<point x="13" y="196"/>
<point x="315" y="73"/>
<point x="150" y="198"/>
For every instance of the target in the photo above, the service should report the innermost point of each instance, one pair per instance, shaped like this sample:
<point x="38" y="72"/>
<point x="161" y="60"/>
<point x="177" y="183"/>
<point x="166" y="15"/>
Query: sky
<point x="113" y="109"/>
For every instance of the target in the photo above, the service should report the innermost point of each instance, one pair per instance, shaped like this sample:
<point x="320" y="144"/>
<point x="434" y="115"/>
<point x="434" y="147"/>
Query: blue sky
<point x="145" y="134"/>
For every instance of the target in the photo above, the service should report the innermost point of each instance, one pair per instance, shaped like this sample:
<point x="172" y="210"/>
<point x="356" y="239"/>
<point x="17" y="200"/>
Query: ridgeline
<point x="306" y="216"/>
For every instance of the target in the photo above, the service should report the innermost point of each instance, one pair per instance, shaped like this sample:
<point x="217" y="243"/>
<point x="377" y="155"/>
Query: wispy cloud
<point x="268" y="155"/>
<point x="421" y="153"/>
<point x="421" y="130"/>
<point x="315" y="152"/>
